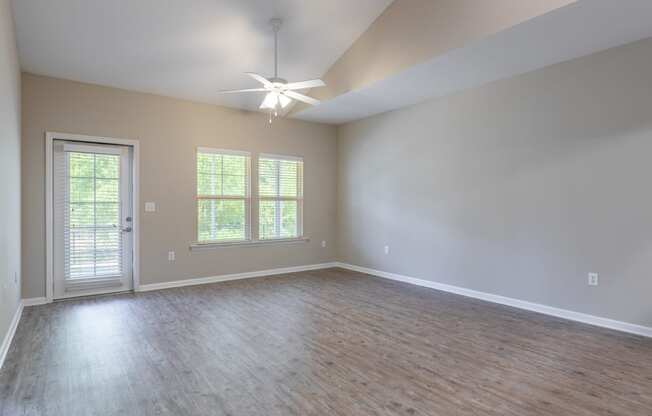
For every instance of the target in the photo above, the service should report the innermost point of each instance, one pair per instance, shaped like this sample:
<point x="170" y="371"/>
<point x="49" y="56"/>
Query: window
<point x="280" y="192"/>
<point x="223" y="196"/>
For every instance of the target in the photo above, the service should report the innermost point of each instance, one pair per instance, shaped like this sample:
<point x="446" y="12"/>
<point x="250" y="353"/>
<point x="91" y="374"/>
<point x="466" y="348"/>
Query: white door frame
<point x="49" y="203"/>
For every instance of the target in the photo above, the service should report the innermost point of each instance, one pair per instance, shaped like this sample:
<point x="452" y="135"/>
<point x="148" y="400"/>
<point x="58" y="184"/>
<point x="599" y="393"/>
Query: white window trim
<point x="252" y="240"/>
<point x="280" y="157"/>
<point x="248" y="197"/>
<point x="252" y="243"/>
<point x="223" y="151"/>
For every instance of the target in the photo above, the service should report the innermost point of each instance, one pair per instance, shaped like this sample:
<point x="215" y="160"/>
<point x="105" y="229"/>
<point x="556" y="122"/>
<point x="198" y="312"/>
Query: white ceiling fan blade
<point x="301" y="97"/>
<point x="313" y="83"/>
<point x="260" y="79"/>
<point x="245" y="90"/>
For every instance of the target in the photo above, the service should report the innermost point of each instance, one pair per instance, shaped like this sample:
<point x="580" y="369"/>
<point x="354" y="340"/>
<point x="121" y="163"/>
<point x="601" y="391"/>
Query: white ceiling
<point x="579" y="29"/>
<point x="186" y="48"/>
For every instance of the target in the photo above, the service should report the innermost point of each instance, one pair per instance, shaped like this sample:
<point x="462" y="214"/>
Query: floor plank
<point x="328" y="342"/>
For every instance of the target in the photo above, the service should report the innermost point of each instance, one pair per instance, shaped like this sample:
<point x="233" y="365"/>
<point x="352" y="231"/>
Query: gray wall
<point x="169" y="132"/>
<point x="9" y="170"/>
<point x="518" y="188"/>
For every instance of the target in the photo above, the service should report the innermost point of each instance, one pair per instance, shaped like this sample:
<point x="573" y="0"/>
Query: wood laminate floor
<point x="329" y="342"/>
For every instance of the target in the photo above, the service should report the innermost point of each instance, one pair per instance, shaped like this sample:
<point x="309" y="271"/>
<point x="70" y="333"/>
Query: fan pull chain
<point x="273" y="113"/>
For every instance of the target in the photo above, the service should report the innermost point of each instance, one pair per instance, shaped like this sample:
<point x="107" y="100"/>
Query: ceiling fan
<point x="280" y="93"/>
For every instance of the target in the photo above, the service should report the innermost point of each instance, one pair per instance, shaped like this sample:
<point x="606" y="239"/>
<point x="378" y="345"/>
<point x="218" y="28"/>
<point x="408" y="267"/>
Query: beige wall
<point x="518" y="188"/>
<point x="9" y="170"/>
<point x="169" y="132"/>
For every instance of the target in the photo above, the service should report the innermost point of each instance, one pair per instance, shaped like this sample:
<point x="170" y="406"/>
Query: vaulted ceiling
<point x="375" y="55"/>
<point x="186" y="48"/>
<point x="468" y="43"/>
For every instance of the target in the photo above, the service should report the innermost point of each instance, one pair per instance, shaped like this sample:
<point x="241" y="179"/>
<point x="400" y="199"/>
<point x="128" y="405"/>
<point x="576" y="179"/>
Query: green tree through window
<point x="280" y="190"/>
<point x="223" y="197"/>
<point x="92" y="216"/>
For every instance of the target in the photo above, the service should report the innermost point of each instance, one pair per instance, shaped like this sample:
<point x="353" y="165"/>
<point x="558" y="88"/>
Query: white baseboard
<point x="6" y="342"/>
<point x="503" y="300"/>
<point x="234" y="276"/>
<point x="35" y="301"/>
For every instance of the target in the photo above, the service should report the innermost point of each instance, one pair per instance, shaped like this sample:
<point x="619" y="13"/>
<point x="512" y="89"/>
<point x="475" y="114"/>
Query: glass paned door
<point x="92" y="219"/>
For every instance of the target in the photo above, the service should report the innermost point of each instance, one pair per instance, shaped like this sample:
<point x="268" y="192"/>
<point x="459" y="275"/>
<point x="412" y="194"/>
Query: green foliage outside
<point x="278" y="179"/>
<point x="220" y="176"/>
<point x="93" y="215"/>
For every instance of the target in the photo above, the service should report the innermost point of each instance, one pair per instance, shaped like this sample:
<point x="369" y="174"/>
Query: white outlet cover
<point x="323" y="243"/>
<point x="386" y="249"/>
<point x="593" y="279"/>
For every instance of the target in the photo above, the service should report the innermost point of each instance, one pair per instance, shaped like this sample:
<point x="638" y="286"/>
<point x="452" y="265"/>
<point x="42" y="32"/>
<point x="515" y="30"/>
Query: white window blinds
<point x="223" y="195"/>
<point x="89" y="196"/>
<point x="280" y="192"/>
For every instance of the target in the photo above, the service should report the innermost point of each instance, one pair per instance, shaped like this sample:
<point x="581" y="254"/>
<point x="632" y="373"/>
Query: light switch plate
<point x="150" y="206"/>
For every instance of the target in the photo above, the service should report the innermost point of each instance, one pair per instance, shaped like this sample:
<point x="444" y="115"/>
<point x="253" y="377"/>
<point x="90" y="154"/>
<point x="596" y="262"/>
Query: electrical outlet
<point x="323" y="244"/>
<point x="386" y="249"/>
<point x="171" y="256"/>
<point x="593" y="279"/>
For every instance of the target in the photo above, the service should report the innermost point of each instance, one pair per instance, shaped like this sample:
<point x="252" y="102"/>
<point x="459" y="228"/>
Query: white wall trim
<point x="247" y="243"/>
<point x="49" y="140"/>
<point x="35" y="301"/>
<point x="9" y="336"/>
<point x="234" y="276"/>
<point x="503" y="300"/>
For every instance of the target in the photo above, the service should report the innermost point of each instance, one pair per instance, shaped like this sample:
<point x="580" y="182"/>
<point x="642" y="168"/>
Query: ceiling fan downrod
<point x="276" y="24"/>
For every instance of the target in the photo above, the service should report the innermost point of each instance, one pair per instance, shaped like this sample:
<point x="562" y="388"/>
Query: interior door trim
<point x="49" y="202"/>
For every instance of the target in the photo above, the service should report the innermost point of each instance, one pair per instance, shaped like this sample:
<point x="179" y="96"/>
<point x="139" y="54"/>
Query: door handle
<point x="126" y="229"/>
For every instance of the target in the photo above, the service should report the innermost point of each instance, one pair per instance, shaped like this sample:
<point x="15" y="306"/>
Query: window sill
<point x="251" y="243"/>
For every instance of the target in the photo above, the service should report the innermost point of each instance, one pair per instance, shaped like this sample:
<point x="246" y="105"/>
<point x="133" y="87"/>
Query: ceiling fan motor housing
<point x="276" y="23"/>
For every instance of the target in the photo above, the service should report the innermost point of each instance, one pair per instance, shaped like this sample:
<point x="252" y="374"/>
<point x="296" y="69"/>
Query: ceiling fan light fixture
<point x="284" y="101"/>
<point x="274" y="99"/>
<point x="270" y="102"/>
